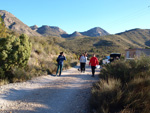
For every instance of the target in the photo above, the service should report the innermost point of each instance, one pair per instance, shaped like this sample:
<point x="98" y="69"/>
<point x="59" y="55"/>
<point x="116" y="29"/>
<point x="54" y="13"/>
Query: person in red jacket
<point x="93" y="62"/>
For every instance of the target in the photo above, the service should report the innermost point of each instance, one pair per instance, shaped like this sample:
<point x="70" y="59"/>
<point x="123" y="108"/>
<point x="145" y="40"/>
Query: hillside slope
<point x="104" y="45"/>
<point x="13" y="23"/>
<point x="50" y="31"/>
<point x="137" y="36"/>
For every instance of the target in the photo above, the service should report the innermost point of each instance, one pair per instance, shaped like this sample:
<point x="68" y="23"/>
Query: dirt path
<point x="49" y="94"/>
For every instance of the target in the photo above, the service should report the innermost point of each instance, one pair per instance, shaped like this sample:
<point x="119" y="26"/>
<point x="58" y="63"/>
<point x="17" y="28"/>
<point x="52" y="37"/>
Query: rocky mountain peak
<point x="58" y="29"/>
<point x="16" y="25"/>
<point x="94" y="32"/>
<point x="34" y="27"/>
<point x="75" y="34"/>
<point x="50" y="31"/>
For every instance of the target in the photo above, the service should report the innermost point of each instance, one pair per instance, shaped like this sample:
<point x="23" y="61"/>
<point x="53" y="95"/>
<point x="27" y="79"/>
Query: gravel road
<point x="49" y="94"/>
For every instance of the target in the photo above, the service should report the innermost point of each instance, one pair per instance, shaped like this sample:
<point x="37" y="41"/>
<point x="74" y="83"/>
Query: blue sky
<point x="113" y="16"/>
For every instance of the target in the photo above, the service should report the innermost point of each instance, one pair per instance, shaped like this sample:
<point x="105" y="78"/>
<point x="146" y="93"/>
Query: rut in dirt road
<point x="49" y="94"/>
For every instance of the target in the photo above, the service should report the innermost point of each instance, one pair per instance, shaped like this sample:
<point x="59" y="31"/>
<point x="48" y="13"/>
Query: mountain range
<point x="95" y="40"/>
<point x="130" y="38"/>
<point x="56" y="31"/>
<point x="104" y="45"/>
<point x="13" y="23"/>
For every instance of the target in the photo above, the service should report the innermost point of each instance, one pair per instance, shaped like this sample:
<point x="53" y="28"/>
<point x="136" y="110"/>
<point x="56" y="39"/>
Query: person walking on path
<point x="82" y="62"/>
<point x="85" y="55"/>
<point x="60" y="60"/>
<point x="79" y="69"/>
<point x="93" y="62"/>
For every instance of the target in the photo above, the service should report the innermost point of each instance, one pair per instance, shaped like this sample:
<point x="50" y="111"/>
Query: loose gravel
<point x="68" y="93"/>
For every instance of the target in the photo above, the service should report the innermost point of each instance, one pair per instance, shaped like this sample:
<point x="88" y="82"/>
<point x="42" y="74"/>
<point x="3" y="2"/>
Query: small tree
<point x="14" y="52"/>
<point x="3" y="29"/>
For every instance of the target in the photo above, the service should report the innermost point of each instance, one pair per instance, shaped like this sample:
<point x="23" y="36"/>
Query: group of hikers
<point x="83" y="60"/>
<point x="93" y="62"/>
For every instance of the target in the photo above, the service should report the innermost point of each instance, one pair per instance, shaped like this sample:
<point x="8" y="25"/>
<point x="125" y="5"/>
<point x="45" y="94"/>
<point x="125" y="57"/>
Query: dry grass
<point x="42" y="60"/>
<point x="124" y="87"/>
<point x="3" y="82"/>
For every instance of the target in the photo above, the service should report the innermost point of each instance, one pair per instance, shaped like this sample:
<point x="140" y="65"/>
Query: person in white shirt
<point x="83" y="60"/>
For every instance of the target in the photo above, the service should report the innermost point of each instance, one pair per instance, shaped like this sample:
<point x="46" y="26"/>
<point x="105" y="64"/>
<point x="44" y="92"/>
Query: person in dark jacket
<point x="60" y="60"/>
<point x="93" y="62"/>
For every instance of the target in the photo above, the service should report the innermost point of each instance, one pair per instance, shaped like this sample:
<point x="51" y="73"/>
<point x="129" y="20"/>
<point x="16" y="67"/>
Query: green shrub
<point x="52" y="69"/>
<point x="14" y="53"/>
<point x="3" y="30"/>
<point x="105" y="96"/>
<point x="136" y="95"/>
<point x="127" y="70"/>
<point x="3" y="82"/>
<point x="48" y="67"/>
<point x="20" y="75"/>
<point x="66" y="65"/>
<point x="2" y="73"/>
<point x="123" y="88"/>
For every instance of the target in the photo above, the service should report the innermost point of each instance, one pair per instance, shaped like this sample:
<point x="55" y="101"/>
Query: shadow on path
<point x="69" y="93"/>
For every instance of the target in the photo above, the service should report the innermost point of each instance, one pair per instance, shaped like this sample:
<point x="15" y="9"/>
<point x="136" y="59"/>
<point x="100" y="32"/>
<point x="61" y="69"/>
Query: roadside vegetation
<point x="45" y="51"/>
<point x="124" y="87"/>
<point x="23" y="57"/>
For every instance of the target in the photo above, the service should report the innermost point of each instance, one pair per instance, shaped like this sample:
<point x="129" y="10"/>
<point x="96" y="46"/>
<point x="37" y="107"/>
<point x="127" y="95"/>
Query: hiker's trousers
<point x="59" y="67"/>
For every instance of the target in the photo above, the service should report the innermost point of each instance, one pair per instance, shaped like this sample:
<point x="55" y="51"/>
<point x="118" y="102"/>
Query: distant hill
<point x="50" y="31"/>
<point x="137" y="36"/>
<point x="13" y="23"/>
<point x="75" y="34"/>
<point x="95" y="32"/>
<point x="46" y="30"/>
<point x="34" y="27"/>
<point x="16" y="25"/>
<point x="104" y="45"/>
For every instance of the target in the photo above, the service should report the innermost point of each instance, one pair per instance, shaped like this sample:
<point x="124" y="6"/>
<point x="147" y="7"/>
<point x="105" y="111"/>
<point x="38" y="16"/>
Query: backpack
<point x="57" y="60"/>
